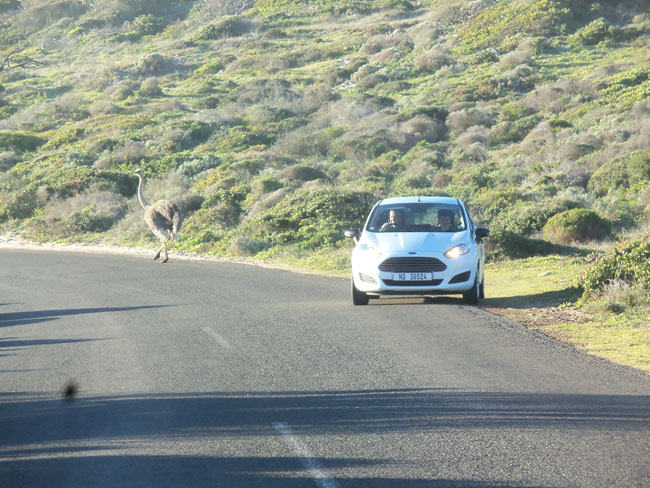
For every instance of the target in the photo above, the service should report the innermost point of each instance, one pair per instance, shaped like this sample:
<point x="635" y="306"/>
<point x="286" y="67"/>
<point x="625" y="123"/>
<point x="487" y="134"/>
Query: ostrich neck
<point x="143" y="201"/>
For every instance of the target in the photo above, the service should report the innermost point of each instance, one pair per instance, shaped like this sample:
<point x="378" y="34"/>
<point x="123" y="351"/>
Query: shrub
<point x="576" y="225"/>
<point x="102" y="107"/>
<point x="424" y="33"/>
<point x="310" y="218"/>
<point x="494" y="25"/>
<point x="503" y="244"/>
<point x="7" y="160"/>
<point x="474" y="134"/>
<point x="433" y="60"/>
<point x="302" y="173"/>
<point x="423" y="128"/>
<point x="461" y="120"/>
<point x="619" y="296"/>
<point x="218" y="8"/>
<point x="507" y="132"/>
<point x="20" y="205"/>
<point x="616" y="174"/>
<point x="142" y="25"/>
<point x="129" y="152"/>
<point x="229" y="26"/>
<point x="19" y="142"/>
<point x="150" y="88"/>
<point x="153" y="65"/>
<point x="488" y="55"/>
<point x="515" y="111"/>
<point x="526" y="218"/>
<point x="196" y="166"/>
<point x="514" y="58"/>
<point x="629" y="263"/>
<point x="289" y="8"/>
<point x="89" y="219"/>
<point x="273" y="92"/>
<point x="40" y="15"/>
<point x="594" y="33"/>
<point x="627" y="79"/>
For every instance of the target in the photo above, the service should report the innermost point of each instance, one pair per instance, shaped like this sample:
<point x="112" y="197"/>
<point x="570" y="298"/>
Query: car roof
<point x="443" y="200"/>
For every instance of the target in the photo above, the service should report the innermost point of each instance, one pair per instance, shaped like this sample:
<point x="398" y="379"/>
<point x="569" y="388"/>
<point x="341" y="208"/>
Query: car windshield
<point x="417" y="217"/>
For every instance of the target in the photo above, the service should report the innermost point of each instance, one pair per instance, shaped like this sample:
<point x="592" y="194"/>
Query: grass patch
<point x="624" y="343"/>
<point x="548" y="281"/>
<point x="543" y="292"/>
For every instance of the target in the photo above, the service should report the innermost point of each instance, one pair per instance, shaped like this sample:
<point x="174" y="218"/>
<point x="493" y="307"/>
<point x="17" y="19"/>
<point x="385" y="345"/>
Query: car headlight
<point x="369" y="251"/>
<point x="457" y="251"/>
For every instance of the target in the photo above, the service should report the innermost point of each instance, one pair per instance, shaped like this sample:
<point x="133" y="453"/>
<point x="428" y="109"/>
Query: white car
<point x="418" y="246"/>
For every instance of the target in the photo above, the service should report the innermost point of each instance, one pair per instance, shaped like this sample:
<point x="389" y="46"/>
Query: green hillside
<point x="276" y="124"/>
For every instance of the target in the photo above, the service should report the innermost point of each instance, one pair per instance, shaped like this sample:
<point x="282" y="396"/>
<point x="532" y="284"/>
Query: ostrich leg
<point x="157" y="255"/>
<point x="165" y="256"/>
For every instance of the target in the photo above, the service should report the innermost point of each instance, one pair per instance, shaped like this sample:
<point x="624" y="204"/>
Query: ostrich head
<point x="138" y="172"/>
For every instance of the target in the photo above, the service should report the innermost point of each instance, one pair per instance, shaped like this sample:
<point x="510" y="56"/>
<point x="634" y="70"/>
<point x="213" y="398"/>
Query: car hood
<point x="415" y="241"/>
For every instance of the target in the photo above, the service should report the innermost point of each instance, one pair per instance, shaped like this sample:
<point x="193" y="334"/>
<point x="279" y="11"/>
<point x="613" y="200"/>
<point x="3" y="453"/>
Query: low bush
<point x="462" y="120"/>
<point x="153" y="65"/>
<point x="39" y="15"/>
<point x="513" y="131"/>
<point x="90" y="219"/>
<point x="142" y="25"/>
<point x="198" y="165"/>
<point x="309" y="218"/>
<point x="495" y="25"/>
<point x="514" y="58"/>
<point x="229" y="26"/>
<point x="617" y="174"/>
<point x="20" y="205"/>
<point x="513" y="111"/>
<point x="302" y="173"/>
<point x="594" y="33"/>
<point x="526" y="218"/>
<point x="431" y="61"/>
<point x="502" y="244"/>
<point x="19" y="142"/>
<point x="150" y="87"/>
<point x="576" y="225"/>
<point x="628" y="263"/>
<point x="7" y="160"/>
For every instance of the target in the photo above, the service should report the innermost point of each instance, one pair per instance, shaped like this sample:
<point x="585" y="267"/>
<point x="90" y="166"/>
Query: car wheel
<point x="472" y="295"/>
<point x="358" y="297"/>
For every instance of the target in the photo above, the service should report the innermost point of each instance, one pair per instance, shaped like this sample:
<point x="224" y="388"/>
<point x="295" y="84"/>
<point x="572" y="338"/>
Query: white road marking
<point x="308" y="461"/>
<point x="223" y="342"/>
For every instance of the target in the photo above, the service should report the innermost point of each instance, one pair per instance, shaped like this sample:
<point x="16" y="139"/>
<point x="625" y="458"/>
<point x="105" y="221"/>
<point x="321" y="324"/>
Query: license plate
<point x="412" y="276"/>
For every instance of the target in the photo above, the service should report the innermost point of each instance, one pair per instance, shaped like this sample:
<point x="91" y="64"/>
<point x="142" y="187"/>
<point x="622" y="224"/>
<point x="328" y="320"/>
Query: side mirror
<point x="353" y="233"/>
<point x="481" y="233"/>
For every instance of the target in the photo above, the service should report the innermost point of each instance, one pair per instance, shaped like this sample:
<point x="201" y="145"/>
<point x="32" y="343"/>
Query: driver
<point x="395" y="220"/>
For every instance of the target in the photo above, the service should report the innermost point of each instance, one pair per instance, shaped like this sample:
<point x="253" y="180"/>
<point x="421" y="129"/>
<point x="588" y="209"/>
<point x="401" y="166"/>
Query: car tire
<point x="473" y="295"/>
<point x="358" y="297"/>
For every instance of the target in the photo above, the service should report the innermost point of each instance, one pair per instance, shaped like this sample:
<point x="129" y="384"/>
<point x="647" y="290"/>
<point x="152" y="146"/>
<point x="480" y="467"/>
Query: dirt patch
<point x="540" y="317"/>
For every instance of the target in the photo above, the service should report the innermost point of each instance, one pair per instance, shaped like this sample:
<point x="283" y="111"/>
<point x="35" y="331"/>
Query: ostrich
<point x="163" y="218"/>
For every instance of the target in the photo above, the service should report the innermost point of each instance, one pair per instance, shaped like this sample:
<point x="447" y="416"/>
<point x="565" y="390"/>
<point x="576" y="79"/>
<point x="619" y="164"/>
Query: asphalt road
<point x="207" y="374"/>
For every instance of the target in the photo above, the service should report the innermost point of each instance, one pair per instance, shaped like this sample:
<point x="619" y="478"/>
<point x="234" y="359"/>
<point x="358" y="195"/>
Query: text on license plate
<point x="412" y="276"/>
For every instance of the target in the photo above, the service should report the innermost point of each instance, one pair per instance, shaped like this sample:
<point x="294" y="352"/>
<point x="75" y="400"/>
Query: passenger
<point x="446" y="221"/>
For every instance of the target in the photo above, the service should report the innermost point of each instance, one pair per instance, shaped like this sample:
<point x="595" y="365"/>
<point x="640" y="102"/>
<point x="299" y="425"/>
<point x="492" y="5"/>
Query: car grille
<point x="412" y="265"/>
<point x="412" y="283"/>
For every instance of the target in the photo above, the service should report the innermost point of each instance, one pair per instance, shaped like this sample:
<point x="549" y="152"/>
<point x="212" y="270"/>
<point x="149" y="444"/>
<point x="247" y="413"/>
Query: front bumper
<point x="449" y="276"/>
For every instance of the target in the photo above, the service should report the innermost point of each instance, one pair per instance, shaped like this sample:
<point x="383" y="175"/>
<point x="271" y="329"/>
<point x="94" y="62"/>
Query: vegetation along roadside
<point x="276" y="124"/>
